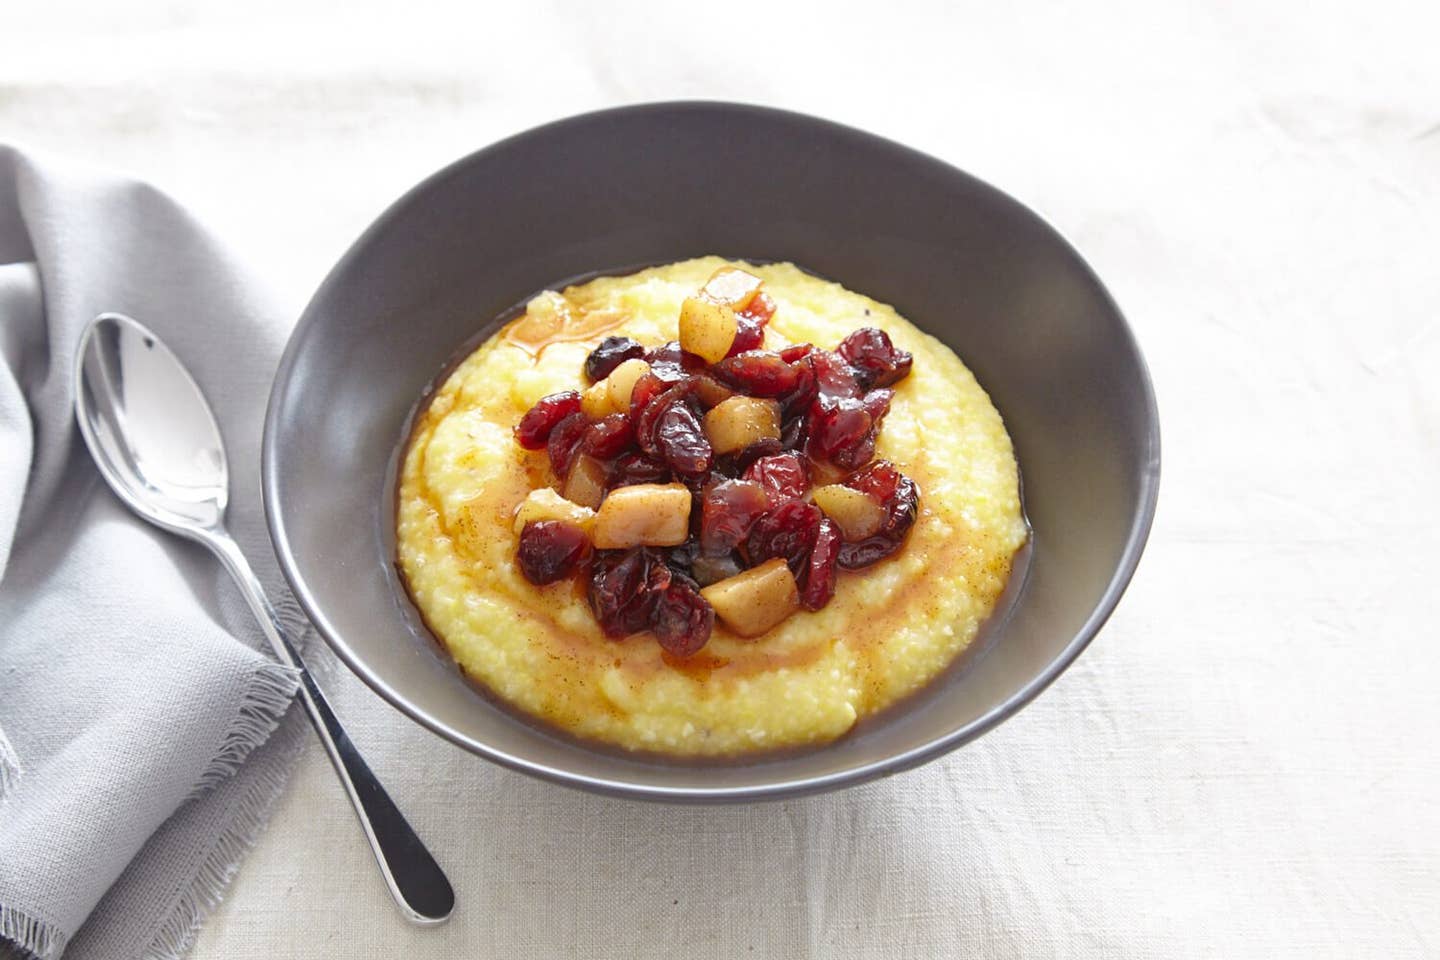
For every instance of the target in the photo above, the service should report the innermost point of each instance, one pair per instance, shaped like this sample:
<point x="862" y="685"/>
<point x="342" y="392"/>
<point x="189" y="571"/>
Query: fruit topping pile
<point x="709" y="477"/>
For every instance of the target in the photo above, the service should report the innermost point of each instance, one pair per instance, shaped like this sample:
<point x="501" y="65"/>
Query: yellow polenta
<point x="889" y="629"/>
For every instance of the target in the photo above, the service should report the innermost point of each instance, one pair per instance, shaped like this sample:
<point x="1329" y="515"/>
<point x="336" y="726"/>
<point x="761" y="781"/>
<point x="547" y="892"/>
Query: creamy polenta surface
<point x="889" y="629"/>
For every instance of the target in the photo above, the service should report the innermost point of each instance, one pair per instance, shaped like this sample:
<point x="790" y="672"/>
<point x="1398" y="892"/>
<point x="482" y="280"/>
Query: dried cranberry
<point x="795" y="351"/>
<point x="708" y="570"/>
<point x="900" y="499"/>
<point x="551" y="550"/>
<point x="534" y="428"/>
<point x="833" y="376"/>
<point x="877" y="403"/>
<point x="758" y="373"/>
<point x="727" y="510"/>
<point x="784" y="477"/>
<point x="623" y="588"/>
<point x="669" y="362"/>
<point x="749" y="335"/>
<point x="608" y="437"/>
<point x="788" y="531"/>
<point x="611" y="352"/>
<point x="647" y="418"/>
<point x="682" y="619"/>
<point x="633" y="468"/>
<point x="766" y="447"/>
<point x="876" y="360"/>
<point x="681" y="440"/>
<point x="681" y="558"/>
<point x="646" y="389"/>
<point x="799" y="398"/>
<point x="564" y="442"/>
<point x="880" y="480"/>
<point x="818" y="584"/>
<point x="711" y="392"/>
<point x="760" y="308"/>
<point x="841" y="431"/>
<point x="794" y="432"/>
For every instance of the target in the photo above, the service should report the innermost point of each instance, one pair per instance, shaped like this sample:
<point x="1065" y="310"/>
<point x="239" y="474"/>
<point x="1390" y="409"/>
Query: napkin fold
<point x="144" y="733"/>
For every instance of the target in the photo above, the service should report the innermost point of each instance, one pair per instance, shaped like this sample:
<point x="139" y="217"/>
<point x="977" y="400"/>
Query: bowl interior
<point x="622" y="188"/>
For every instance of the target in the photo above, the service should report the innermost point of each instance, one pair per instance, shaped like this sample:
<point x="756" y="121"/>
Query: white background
<point x="1245" y="762"/>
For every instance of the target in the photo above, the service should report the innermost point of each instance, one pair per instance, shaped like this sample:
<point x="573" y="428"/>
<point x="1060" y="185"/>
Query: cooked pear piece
<point x="621" y="383"/>
<point x="546" y="504"/>
<point x="752" y="602"/>
<point x="707" y="328"/>
<point x="596" y="402"/>
<point x="586" y="483"/>
<point x="736" y="423"/>
<point x="856" y="514"/>
<point x="643" y="515"/>
<point x="733" y="287"/>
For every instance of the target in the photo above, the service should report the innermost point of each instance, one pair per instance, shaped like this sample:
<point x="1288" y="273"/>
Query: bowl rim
<point x="1135" y="541"/>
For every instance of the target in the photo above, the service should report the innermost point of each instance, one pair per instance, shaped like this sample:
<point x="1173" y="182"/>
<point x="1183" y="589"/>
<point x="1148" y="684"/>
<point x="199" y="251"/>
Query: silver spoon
<point x="156" y="443"/>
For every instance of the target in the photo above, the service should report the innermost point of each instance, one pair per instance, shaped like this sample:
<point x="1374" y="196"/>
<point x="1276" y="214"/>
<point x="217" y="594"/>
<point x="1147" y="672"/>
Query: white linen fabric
<point x="134" y="699"/>
<point x="1242" y="765"/>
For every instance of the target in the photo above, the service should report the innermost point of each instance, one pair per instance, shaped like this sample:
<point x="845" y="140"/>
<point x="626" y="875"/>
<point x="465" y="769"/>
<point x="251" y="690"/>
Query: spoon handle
<point x="416" y="881"/>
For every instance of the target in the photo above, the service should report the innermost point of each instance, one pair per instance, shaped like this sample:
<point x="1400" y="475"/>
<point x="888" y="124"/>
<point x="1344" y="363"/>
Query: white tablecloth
<point x="1245" y="762"/>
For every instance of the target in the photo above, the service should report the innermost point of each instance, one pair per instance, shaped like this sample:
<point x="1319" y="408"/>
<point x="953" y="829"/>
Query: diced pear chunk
<point x="733" y="287"/>
<point x="856" y="514"/>
<point x="621" y="382"/>
<point x="736" y="423"/>
<point x="754" y="601"/>
<point x="586" y="483"/>
<point x="546" y="504"/>
<point x="643" y="514"/>
<point x="707" y="328"/>
<point x="595" y="402"/>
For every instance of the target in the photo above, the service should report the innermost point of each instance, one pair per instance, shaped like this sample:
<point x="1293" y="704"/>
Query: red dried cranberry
<point x="840" y="430"/>
<point x="795" y="351"/>
<point x="794" y="432"/>
<point x="766" y="447"/>
<point x="711" y="392"/>
<point x="608" y="437"/>
<point x="611" y="352"/>
<point x="758" y="373"/>
<point x="635" y="468"/>
<point x="900" y="500"/>
<point x="708" y="570"/>
<point x="879" y="479"/>
<point x="623" y="587"/>
<point x="646" y="389"/>
<point x="551" y="550"/>
<point x="727" y="509"/>
<point x="833" y="376"/>
<point x="681" y="441"/>
<point x="682" y="619"/>
<point x="876" y="360"/>
<point x="760" y="308"/>
<point x="788" y="532"/>
<point x="877" y="403"/>
<point x="784" y="477"/>
<point x="534" y="428"/>
<point x="818" y="584"/>
<point x="802" y="395"/>
<point x="749" y="335"/>
<point x="669" y="362"/>
<point x="647" y="418"/>
<point x="564" y="442"/>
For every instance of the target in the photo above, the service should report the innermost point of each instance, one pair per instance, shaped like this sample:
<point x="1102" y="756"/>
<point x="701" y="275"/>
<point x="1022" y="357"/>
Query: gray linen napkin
<point x="143" y="733"/>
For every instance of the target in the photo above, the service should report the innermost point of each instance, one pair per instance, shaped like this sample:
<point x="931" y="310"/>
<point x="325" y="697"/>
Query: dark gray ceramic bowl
<point x="640" y="185"/>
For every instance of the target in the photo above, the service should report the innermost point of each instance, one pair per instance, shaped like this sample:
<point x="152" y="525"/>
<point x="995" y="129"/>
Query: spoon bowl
<point x="127" y="381"/>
